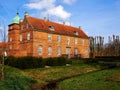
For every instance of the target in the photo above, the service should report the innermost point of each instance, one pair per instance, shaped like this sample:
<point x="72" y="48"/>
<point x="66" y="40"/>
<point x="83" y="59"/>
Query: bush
<point x="35" y="62"/>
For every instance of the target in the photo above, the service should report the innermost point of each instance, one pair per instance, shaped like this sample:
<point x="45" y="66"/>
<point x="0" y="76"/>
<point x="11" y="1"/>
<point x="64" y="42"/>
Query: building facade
<point x="43" y="38"/>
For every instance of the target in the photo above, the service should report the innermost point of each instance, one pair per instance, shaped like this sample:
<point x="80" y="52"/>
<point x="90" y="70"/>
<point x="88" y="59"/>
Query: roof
<point x="43" y="25"/>
<point x="16" y="19"/>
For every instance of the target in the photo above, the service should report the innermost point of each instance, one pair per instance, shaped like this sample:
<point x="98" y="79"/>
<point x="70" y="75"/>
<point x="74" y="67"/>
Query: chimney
<point x="26" y="14"/>
<point x="80" y="27"/>
<point x="63" y="23"/>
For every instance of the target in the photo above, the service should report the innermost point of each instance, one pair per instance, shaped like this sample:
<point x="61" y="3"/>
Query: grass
<point x="102" y="80"/>
<point x="14" y="80"/>
<point x="46" y="75"/>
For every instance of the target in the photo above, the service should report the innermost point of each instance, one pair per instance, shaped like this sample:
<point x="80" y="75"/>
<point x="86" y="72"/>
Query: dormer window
<point x="76" y="33"/>
<point x="51" y="28"/>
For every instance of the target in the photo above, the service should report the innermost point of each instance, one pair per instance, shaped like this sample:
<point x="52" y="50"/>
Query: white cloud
<point x="49" y="8"/>
<point x="41" y="4"/>
<point x="58" y="12"/>
<point x="69" y="1"/>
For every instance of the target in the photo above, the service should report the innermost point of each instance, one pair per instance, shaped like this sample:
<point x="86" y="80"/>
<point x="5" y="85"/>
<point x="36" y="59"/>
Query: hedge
<point x="35" y="62"/>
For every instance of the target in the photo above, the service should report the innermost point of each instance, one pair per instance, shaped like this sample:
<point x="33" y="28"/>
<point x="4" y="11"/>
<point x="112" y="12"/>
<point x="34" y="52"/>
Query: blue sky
<point x="96" y="17"/>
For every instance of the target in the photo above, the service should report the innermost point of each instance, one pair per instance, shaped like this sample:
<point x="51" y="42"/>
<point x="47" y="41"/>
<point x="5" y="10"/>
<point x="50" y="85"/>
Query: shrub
<point x="35" y="62"/>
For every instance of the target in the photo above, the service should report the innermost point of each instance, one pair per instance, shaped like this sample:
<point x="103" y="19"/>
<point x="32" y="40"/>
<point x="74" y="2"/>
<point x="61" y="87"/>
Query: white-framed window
<point x="59" y="51"/>
<point x="40" y="50"/>
<point x="21" y="37"/>
<point x="83" y="41"/>
<point x="10" y="39"/>
<point x="76" y="33"/>
<point x="49" y="50"/>
<point x="76" y="51"/>
<point x="28" y="36"/>
<point x="51" y="28"/>
<point x="68" y="51"/>
<point x="59" y="38"/>
<point x="68" y="40"/>
<point x="10" y="47"/>
<point x="49" y="37"/>
<point x="75" y="40"/>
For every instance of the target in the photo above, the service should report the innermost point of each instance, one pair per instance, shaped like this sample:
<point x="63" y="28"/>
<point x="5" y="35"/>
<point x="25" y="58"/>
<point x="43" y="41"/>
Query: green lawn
<point x="102" y="80"/>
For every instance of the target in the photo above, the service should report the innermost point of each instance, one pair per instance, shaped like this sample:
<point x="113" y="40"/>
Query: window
<point x="59" y="51"/>
<point x="20" y="37"/>
<point x="76" y="51"/>
<point x="10" y="39"/>
<point x="49" y="37"/>
<point x="68" y="41"/>
<point x="76" y="33"/>
<point x="11" y="27"/>
<point x="75" y="41"/>
<point x="68" y="51"/>
<point x="59" y="38"/>
<point x="10" y="47"/>
<point x="83" y="41"/>
<point x="51" y="28"/>
<point x="28" y="36"/>
<point x="49" y="50"/>
<point x="40" y="50"/>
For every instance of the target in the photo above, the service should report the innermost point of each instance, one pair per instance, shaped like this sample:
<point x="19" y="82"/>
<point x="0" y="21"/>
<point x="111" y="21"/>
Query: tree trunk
<point x="2" y="69"/>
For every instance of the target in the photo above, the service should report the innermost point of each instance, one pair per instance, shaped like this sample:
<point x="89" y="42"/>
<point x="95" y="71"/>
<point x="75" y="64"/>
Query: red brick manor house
<point x="43" y="38"/>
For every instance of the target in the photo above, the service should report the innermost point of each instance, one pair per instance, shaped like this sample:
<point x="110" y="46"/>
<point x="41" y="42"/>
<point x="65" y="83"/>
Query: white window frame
<point x="28" y="36"/>
<point x="83" y="41"/>
<point x="59" y="51"/>
<point x="76" y="51"/>
<point x="68" y="51"/>
<point x="68" y="40"/>
<point x="59" y="38"/>
<point x="40" y="50"/>
<point x="49" y="37"/>
<point x="76" y="41"/>
<point x="52" y="28"/>
<point x="49" y="50"/>
<point x="21" y="38"/>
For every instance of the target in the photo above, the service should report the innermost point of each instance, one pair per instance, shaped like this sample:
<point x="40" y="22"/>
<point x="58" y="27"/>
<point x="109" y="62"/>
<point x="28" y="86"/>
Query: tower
<point x="13" y="35"/>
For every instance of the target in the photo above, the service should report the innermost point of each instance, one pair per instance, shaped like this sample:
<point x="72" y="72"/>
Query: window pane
<point x="40" y="50"/>
<point x="28" y="36"/>
<point x="59" y="51"/>
<point x="49" y="50"/>
<point x="49" y="37"/>
<point x="20" y="37"/>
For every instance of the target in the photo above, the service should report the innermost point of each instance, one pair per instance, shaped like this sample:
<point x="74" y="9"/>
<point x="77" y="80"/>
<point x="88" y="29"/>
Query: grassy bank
<point x="15" y="80"/>
<point x="47" y="75"/>
<point x="103" y="80"/>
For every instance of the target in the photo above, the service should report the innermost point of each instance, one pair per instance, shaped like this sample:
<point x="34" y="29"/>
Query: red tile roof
<point x="43" y="25"/>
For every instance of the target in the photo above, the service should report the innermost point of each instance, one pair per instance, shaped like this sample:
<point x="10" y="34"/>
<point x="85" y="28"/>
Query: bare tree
<point x="3" y="36"/>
